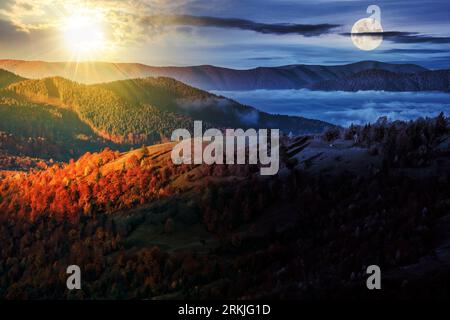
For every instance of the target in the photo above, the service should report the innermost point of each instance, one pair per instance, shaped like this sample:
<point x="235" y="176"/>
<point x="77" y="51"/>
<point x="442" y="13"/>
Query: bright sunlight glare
<point x="84" y="35"/>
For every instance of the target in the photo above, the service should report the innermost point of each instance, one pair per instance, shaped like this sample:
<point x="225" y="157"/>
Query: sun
<point x="83" y="34"/>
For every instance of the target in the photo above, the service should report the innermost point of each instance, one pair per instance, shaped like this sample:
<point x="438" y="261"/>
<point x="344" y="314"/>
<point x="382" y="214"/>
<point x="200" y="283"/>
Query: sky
<point x="230" y="33"/>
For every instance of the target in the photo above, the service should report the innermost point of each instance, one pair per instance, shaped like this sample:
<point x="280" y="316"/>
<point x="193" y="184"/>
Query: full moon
<point x="367" y="42"/>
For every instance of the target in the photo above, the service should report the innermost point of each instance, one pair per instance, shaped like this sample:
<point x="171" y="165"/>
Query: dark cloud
<point x="404" y="37"/>
<point x="306" y="30"/>
<point x="265" y="58"/>
<point x="9" y="33"/>
<point x="416" y="51"/>
<point x="404" y="13"/>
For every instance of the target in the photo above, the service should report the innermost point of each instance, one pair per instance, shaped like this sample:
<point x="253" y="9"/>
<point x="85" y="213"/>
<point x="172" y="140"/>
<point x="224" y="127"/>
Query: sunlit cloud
<point x="122" y="18"/>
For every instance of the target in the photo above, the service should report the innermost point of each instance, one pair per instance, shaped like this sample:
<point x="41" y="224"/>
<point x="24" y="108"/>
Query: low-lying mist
<point x="345" y="108"/>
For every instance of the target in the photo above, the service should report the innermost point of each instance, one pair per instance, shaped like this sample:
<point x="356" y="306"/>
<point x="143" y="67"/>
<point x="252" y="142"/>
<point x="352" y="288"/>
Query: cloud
<point x="265" y="58"/>
<point x="11" y="38"/>
<point x="416" y="51"/>
<point x="404" y="37"/>
<point x="28" y="15"/>
<point x="120" y="18"/>
<point x="344" y="108"/>
<point x="217" y="104"/>
<point x="242" y="24"/>
<point x="411" y="37"/>
<point x="182" y="32"/>
<point x="9" y="32"/>
<point x="201" y="104"/>
<point x="137" y="21"/>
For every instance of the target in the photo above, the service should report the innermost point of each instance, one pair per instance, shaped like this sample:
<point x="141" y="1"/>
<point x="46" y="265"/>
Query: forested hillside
<point x="6" y="78"/>
<point x="436" y="80"/>
<point x="44" y="130"/>
<point x="109" y="115"/>
<point x="140" y="227"/>
<point x="148" y="110"/>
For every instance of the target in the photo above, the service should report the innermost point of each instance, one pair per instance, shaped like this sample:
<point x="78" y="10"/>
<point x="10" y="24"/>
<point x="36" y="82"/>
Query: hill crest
<point x="206" y="77"/>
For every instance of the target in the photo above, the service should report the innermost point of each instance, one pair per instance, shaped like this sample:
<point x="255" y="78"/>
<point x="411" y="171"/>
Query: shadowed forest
<point x="142" y="227"/>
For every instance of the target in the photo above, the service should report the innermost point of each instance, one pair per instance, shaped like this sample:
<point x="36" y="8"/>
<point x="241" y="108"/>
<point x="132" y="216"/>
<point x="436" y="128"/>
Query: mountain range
<point x="124" y="113"/>
<point x="385" y="80"/>
<point x="209" y="77"/>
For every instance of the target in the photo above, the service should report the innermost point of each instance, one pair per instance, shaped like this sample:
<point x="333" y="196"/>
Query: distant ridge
<point x="205" y="77"/>
<point x="375" y="79"/>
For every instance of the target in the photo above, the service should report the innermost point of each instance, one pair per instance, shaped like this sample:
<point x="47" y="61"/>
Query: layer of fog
<point x="344" y="108"/>
<point x="248" y="116"/>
